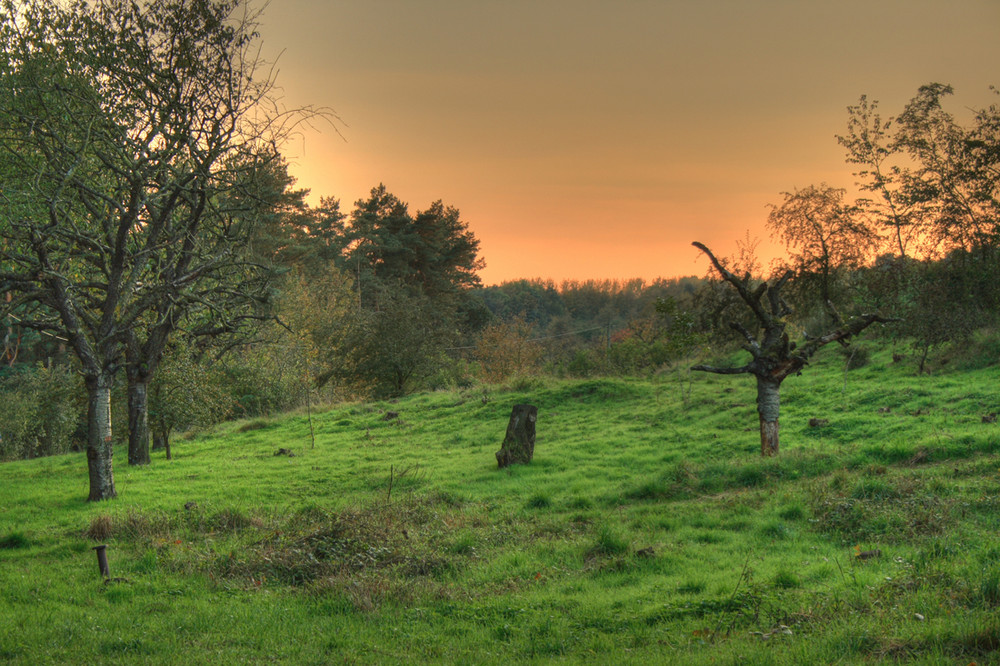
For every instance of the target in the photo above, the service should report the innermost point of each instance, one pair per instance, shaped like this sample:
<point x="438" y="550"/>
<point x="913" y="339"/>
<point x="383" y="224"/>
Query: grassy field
<point x="647" y="530"/>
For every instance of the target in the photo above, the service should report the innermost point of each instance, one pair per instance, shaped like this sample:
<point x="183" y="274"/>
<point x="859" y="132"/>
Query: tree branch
<point x="751" y="299"/>
<point x="723" y="371"/>
<point x="843" y="334"/>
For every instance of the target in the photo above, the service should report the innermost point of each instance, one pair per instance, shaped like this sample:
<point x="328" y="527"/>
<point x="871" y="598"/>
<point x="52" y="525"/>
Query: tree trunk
<point x="161" y="440"/>
<point x="768" y="403"/>
<point x="138" y="420"/>
<point x="519" y="443"/>
<point x="99" y="443"/>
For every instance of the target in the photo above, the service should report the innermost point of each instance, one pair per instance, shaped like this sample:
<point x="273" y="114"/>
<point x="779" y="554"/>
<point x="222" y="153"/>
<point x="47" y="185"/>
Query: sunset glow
<point x="597" y="140"/>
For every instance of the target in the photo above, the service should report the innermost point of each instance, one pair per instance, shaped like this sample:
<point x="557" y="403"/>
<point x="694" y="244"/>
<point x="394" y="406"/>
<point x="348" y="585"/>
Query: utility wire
<point x="39" y="331"/>
<point x="544" y="337"/>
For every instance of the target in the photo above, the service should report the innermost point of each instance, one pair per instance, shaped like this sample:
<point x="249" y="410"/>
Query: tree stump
<point x="519" y="443"/>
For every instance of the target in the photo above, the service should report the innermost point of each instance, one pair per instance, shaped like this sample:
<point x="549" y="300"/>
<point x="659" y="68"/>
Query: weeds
<point x="14" y="540"/>
<point x="892" y="510"/>
<point x="609" y="543"/>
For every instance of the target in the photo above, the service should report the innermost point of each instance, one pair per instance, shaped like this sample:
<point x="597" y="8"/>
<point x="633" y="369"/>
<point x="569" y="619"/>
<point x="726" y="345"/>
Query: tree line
<point x="161" y="270"/>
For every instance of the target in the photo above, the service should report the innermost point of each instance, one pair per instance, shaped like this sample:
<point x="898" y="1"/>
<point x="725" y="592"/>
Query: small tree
<point x="505" y="349"/>
<point x="824" y="236"/>
<point x="775" y="357"/>
<point x="390" y="349"/>
<point x="184" y="394"/>
<point x="42" y="409"/>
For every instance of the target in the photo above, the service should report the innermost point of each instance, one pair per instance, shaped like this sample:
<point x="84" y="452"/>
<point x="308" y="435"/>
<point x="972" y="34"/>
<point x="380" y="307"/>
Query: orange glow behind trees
<point x="597" y="140"/>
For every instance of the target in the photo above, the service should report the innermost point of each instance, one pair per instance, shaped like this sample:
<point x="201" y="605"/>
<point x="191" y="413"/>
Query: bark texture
<point x="99" y="441"/>
<point x="768" y="406"/>
<point x="519" y="443"/>
<point x="138" y="420"/>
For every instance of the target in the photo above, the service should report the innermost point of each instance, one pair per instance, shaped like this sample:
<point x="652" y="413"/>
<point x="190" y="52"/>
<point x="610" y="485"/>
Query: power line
<point x="544" y="337"/>
<point x="39" y="331"/>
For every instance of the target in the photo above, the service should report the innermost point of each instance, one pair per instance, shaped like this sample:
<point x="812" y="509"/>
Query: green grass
<point x="647" y="530"/>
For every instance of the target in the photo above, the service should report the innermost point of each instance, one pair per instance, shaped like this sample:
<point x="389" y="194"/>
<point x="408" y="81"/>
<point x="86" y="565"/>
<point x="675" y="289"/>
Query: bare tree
<point x="129" y="130"/>
<point x="774" y="356"/>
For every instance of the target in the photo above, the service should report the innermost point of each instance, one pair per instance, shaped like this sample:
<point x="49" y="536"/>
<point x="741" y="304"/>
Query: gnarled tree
<point x="774" y="355"/>
<point x="126" y="127"/>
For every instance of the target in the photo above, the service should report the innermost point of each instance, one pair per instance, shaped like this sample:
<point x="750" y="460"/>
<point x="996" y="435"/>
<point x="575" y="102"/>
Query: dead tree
<point x="775" y="357"/>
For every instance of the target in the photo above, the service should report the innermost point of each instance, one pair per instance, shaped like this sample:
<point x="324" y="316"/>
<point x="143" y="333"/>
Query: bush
<point x="982" y="351"/>
<point x="451" y="374"/>
<point x="855" y="356"/>
<point x="43" y="407"/>
<point x="506" y="349"/>
<point x="260" y="381"/>
<point x="583" y="364"/>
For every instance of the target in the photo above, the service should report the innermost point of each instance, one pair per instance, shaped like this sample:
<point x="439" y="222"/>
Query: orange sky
<point x="598" y="138"/>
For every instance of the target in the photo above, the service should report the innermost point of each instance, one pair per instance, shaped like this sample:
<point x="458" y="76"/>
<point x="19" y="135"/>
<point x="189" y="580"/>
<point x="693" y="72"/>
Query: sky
<point x="596" y="139"/>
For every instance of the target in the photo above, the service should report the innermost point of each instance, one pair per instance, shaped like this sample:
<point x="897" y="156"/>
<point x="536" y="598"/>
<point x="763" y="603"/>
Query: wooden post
<point x="102" y="561"/>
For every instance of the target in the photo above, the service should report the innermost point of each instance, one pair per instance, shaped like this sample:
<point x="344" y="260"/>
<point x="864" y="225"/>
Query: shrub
<point x="43" y="408"/>
<point x="506" y="349"/>
<point x="982" y="351"/>
<point x="855" y="356"/>
<point x="582" y="365"/>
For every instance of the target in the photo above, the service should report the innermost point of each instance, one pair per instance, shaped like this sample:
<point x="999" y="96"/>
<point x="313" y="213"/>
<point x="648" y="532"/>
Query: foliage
<point x="506" y="349"/>
<point x="432" y="252"/>
<point x="825" y="239"/>
<point x="590" y="319"/>
<point x="392" y="349"/>
<point x="537" y="301"/>
<point x="42" y="412"/>
<point x="937" y="302"/>
<point x="934" y="182"/>
<point x="319" y="311"/>
<point x="185" y="394"/>
<point x="412" y="277"/>
<point x="132" y="135"/>
<point x="262" y="379"/>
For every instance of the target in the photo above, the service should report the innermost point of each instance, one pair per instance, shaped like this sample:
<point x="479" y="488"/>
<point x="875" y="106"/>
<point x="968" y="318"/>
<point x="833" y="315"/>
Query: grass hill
<point x="647" y="530"/>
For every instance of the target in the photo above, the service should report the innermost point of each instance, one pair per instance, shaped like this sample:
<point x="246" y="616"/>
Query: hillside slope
<point x="648" y="529"/>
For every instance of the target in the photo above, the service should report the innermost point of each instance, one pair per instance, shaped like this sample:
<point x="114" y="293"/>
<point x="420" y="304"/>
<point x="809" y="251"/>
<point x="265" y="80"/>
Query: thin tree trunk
<point x="138" y="420"/>
<point x="99" y="443"/>
<point x="768" y="405"/>
<point x="312" y="433"/>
